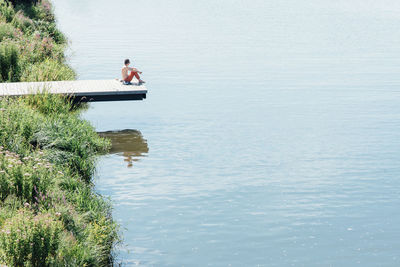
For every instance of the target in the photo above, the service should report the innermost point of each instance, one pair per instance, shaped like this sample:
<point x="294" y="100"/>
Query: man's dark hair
<point x="127" y="61"/>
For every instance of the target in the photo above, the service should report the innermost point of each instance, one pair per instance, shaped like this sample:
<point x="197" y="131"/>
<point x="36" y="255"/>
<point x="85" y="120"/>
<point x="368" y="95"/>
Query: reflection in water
<point x="128" y="143"/>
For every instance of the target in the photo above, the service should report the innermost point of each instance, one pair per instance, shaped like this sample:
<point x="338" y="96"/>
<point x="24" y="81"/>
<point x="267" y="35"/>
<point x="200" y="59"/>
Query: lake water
<point x="270" y="135"/>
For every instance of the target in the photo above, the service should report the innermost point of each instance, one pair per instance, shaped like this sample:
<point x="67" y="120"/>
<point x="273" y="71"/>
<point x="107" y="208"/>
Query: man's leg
<point x="133" y="74"/>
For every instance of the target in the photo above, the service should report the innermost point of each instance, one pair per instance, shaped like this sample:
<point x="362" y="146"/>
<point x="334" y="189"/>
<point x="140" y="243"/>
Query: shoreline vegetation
<point x="50" y="214"/>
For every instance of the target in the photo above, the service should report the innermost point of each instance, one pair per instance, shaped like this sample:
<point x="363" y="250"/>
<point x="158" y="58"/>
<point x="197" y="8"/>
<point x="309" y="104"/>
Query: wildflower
<point x="1" y="171"/>
<point x="26" y="205"/>
<point x="27" y="174"/>
<point x="58" y="214"/>
<point x="42" y="238"/>
<point x="60" y="172"/>
<point x="10" y="166"/>
<point x="46" y="6"/>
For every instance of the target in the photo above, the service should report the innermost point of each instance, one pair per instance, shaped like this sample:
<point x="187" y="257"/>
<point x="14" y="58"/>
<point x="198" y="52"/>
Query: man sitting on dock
<point x="134" y="73"/>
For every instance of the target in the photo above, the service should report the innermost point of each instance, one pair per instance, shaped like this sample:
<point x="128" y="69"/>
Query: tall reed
<point x="10" y="70"/>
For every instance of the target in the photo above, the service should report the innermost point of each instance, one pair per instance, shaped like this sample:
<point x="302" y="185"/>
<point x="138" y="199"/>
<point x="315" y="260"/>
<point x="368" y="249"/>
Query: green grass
<point x="31" y="240"/>
<point x="6" y="31"/>
<point x="10" y="69"/>
<point x="47" y="70"/>
<point x="50" y="214"/>
<point x="32" y="47"/>
<point x="7" y="11"/>
<point x="47" y="160"/>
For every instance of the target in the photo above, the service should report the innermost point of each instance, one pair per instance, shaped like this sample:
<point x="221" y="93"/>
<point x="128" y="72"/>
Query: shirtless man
<point x="134" y="73"/>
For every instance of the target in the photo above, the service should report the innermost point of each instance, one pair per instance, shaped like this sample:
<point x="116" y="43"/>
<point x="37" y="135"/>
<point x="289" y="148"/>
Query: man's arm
<point x="135" y="70"/>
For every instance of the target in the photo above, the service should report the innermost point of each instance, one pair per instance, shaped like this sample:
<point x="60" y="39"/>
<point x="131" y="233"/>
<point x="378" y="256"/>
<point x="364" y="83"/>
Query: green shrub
<point x="18" y="122"/>
<point x="37" y="49"/>
<point x="49" y="29"/>
<point x="48" y="70"/>
<point x="22" y="22"/>
<point x="42" y="10"/>
<point x="30" y="240"/>
<point x="99" y="235"/>
<point x="6" y="10"/>
<point x="9" y="62"/>
<point x="7" y="31"/>
<point x="48" y="103"/>
<point x="36" y="10"/>
<point x="71" y="142"/>
<point x="26" y="175"/>
<point x="27" y="178"/>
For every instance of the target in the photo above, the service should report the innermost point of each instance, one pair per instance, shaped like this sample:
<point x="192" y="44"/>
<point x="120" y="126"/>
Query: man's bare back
<point x="125" y="70"/>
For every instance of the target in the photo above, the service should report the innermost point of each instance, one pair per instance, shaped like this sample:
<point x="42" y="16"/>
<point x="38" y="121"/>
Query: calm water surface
<point x="270" y="136"/>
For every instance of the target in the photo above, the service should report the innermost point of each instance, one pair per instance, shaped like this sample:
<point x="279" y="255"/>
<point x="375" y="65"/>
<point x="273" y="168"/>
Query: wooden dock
<point x="80" y="90"/>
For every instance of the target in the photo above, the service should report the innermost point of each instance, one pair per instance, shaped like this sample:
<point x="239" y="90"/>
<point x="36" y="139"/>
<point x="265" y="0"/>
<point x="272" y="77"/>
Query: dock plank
<point x="81" y="90"/>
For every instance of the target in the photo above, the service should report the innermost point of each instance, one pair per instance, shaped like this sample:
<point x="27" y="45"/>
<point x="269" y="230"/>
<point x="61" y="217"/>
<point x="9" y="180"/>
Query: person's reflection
<point x="128" y="143"/>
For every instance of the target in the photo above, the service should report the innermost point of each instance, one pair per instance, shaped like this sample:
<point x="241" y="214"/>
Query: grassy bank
<point x="49" y="212"/>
